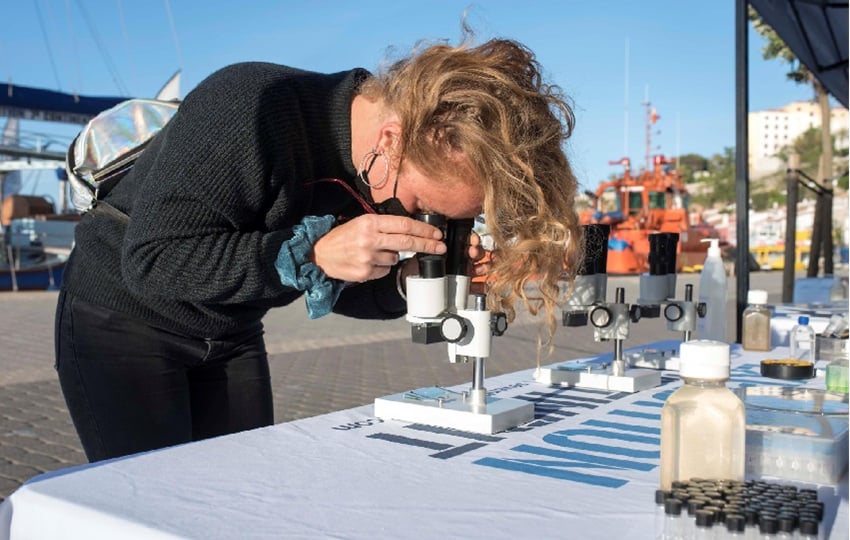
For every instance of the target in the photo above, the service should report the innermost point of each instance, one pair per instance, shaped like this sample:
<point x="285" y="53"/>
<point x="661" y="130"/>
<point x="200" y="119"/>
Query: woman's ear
<point x="389" y="140"/>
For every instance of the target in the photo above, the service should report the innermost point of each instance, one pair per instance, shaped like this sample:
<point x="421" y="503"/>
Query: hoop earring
<point x="362" y="170"/>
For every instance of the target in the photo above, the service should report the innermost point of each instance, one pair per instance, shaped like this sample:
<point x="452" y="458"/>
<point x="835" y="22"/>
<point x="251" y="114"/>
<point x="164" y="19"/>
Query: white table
<point x="586" y="468"/>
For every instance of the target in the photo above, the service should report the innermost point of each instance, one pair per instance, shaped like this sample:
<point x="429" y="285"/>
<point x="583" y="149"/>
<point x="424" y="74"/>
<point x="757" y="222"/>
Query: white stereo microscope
<point x="625" y="371"/>
<point x="440" y="309"/>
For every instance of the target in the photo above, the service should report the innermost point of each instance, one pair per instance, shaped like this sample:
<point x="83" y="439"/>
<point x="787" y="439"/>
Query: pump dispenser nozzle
<point x="714" y="248"/>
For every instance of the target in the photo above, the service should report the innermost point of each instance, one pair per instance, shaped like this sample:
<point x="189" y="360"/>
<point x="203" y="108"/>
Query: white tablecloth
<point x="587" y="467"/>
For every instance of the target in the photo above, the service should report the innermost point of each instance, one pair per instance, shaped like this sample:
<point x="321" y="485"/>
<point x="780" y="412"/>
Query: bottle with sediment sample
<point x="703" y="426"/>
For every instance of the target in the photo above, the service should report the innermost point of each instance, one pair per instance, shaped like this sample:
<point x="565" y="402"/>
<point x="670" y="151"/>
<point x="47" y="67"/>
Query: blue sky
<point x="680" y="53"/>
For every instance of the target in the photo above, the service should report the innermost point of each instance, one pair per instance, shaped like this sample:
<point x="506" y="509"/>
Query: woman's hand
<point x="479" y="265"/>
<point x="367" y="247"/>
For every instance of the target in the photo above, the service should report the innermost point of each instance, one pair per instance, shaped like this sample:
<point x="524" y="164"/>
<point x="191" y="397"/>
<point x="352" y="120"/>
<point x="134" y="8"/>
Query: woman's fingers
<point x="367" y="247"/>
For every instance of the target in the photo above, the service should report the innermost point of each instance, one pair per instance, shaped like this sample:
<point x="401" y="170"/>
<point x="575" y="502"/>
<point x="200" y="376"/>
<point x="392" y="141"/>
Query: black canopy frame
<point x="816" y="32"/>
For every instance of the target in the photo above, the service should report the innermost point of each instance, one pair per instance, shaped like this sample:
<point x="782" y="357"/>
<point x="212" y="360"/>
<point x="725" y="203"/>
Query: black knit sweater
<point x="215" y="195"/>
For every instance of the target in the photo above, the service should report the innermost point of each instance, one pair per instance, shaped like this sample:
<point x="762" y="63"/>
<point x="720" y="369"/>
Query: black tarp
<point x="816" y="32"/>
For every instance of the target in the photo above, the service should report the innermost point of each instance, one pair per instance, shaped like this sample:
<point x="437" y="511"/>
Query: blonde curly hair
<point x="489" y="103"/>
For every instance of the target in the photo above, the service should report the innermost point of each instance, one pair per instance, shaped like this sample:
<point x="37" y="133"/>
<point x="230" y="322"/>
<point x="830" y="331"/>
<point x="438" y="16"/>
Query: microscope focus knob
<point x="701" y="309"/>
<point x="634" y="313"/>
<point x="600" y="316"/>
<point x="453" y="328"/>
<point x="499" y="323"/>
<point x="673" y="312"/>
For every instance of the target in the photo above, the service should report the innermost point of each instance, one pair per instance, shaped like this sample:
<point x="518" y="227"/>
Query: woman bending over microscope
<point x="271" y="183"/>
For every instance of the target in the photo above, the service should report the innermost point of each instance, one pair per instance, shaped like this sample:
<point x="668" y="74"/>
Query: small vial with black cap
<point x="674" y="521"/>
<point x="736" y="526"/>
<point x="660" y="516"/>
<point x="704" y="525"/>
<point x="808" y="529"/>
<point x="787" y="525"/>
<point x="768" y="527"/>
<point x="751" y="516"/>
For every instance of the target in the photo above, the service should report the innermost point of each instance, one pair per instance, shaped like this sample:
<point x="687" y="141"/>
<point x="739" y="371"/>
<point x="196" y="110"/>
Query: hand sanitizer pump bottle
<point x="703" y="426"/>
<point x="712" y="291"/>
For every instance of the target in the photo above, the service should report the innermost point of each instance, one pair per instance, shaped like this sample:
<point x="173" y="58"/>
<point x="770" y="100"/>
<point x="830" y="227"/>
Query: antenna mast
<point x="651" y="118"/>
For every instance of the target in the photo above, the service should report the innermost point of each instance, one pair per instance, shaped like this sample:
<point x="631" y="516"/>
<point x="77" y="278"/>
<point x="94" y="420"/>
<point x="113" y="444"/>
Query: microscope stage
<point x="665" y="360"/>
<point x="455" y="412"/>
<point x="634" y="380"/>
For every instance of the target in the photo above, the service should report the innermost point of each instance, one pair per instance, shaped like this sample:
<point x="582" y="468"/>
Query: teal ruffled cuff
<point x="295" y="269"/>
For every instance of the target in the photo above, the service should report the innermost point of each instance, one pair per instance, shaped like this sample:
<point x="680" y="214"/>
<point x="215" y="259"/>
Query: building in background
<point x="772" y="130"/>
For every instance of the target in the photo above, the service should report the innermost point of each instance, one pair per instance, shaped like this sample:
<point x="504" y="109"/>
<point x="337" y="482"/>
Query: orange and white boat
<point x="636" y="206"/>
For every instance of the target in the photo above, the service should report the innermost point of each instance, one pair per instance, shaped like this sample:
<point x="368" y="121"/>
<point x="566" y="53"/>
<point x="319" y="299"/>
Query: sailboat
<point x="26" y="262"/>
<point x="37" y="235"/>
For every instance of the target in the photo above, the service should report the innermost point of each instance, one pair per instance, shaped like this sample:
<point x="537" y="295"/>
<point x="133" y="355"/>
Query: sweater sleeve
<point x="376" y="299"/>
<point x="197" y="231"/>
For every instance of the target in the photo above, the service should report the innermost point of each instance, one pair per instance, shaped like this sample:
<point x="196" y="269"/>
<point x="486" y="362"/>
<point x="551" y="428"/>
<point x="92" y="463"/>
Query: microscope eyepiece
<point x="432" y="266"/>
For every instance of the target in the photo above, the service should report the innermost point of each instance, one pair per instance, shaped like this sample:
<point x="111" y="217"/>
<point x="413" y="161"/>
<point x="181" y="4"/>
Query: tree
<point x="776" y="48"/>
<point x="721" y="179"/>
<point x="689" y="164"/>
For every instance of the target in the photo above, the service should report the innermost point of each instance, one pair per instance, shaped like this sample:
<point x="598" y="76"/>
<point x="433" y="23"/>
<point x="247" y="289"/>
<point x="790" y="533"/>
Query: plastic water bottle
<point x="712" y="291"/>
<point x="802" y="340"/>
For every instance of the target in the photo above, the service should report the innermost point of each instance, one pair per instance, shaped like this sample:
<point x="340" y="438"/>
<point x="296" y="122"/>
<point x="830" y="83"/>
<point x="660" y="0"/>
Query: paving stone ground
<point x="317" y="366"/>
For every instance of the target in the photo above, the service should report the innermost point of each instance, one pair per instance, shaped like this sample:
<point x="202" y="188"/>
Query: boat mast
<point x="651" y="118"/>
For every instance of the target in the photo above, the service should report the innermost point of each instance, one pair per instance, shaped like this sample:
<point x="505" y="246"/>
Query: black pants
<point x="131" y="387"/>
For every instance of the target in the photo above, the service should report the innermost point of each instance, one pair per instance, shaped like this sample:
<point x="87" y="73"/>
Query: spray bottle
<point x="712" y="291"/>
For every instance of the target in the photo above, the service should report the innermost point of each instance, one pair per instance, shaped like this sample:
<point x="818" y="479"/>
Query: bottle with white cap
<point x="802" y="340"/>
<point x="756" y="322"/>
<point x="703" y="426"/>
<point x="713" y="289"/>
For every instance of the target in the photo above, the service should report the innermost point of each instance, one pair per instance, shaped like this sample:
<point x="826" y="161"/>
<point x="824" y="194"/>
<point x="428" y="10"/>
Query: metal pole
<point x="828" y="246"/>
<point x="742" y="188"/>
<point x="792" y="194"/>
<point x="816" y="242"/>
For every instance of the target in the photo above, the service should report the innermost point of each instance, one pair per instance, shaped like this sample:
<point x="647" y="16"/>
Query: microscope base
<point x="654" y="359"/>
<point x="499" y="414"/>
<point x="634" y="380"/>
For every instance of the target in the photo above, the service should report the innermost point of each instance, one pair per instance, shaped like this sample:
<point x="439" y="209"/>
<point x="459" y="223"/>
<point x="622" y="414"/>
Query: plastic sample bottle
<point x="702" y="423"/>
<point x="802" y="340"/>
<point x="712" y="291"/>
<point x="836" y="375"/>
<point x="756" y="322"/>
